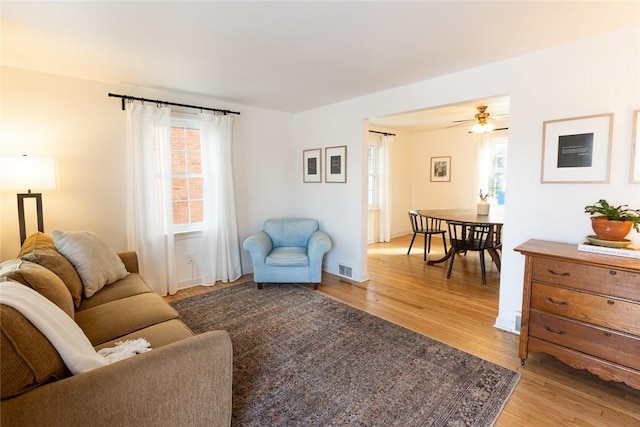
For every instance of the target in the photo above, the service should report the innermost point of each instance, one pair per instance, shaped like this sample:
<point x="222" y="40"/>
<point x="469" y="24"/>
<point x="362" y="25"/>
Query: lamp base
<point x="21" y="221"/>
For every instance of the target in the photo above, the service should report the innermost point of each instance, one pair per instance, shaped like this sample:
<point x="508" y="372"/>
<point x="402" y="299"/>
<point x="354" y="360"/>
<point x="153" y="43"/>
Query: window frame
<point x="189" y="121"/>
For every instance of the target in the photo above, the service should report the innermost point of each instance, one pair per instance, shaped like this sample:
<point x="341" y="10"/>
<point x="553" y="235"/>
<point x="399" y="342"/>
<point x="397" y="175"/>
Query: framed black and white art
<point x="312" y="165"/>
<point x="577" y="150"/>
<point x="441" y="169"/>
<point x="336" y="164"/>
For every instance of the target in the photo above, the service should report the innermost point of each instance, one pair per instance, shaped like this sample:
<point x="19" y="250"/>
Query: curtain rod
<point x="133" y="98"/>
<point x="383" y="133"/>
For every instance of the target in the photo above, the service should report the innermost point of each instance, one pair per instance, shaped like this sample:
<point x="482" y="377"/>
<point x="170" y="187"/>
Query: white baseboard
<point x="507" y="324"/>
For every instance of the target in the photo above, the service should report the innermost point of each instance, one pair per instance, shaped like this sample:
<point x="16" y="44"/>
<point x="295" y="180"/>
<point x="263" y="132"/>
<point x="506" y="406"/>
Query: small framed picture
<point x="312" y="165"/>
<point x="635" y="149"/>
<point x="577" y="150"/>
<point x="336" y="164"/>
<point x="441" y="169"/>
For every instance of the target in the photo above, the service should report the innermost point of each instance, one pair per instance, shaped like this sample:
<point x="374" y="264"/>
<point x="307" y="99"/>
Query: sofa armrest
<point x="187" y="382"/>
<point x="130" y="261"/>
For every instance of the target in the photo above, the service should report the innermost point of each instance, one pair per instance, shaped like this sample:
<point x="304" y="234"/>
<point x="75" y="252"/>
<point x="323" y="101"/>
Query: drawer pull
<point x="555" y="332"/>
<point x="613" y="272"/>
<point x="610" y="302"/>
<point x="552" y="301"/>
<point x="607" y="334"/>
<point x="559" y="274"/>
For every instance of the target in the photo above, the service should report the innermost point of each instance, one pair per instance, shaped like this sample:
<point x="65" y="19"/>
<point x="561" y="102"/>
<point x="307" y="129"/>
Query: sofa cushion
<point x="40" y="248"/>
<point x="40" y="279"/>
<point x="123" y="288"/>
<point x="27" y="358"/>
<point x="96" y="263"/>
<point x="288" y="257"/>
<point x="158" y="335"/>
<point x="114" y="319"/>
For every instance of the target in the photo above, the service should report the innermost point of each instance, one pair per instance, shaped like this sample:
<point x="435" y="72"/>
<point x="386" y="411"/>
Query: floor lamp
<point x="28" y="172"/>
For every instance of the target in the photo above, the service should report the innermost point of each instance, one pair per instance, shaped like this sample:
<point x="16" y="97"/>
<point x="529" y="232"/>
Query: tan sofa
<point x="184" y="380"/>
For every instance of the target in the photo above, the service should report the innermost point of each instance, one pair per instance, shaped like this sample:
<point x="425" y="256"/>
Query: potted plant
<point x="612" y="222"/>
<point x="483" y="205"/>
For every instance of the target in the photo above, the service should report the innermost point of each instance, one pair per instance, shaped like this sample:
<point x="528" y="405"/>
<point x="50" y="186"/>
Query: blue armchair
<point x="288" y="250"/>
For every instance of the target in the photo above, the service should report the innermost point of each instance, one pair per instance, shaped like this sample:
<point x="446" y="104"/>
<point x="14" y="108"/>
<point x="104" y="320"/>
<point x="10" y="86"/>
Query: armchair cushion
<point x="288" y="257"/>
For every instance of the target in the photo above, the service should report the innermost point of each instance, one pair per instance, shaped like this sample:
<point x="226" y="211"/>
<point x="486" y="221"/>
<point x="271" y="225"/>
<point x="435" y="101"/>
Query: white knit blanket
<point x="65" y="335"/>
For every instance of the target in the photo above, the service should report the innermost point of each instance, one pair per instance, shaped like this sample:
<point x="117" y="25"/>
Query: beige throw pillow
<point x="96" y="263"/>
<point x="41" y="249"/>
<point x="41" y="280"/>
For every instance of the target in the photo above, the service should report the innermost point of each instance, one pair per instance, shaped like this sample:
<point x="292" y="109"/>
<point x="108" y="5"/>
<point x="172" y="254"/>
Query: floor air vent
<point x="345" y="271"/>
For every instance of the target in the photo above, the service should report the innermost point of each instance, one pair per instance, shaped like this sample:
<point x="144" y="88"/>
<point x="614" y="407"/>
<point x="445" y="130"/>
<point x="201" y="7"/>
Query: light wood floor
<point x="461" y="312"/>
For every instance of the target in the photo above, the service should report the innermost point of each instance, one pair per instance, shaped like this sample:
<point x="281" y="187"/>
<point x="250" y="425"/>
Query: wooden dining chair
<point x="427" y="226"/>
<point x="465" y="236"/>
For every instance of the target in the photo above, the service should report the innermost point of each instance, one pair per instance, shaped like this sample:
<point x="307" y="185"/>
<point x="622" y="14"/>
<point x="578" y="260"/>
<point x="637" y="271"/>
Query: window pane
<point x="180" y="189"/>
<point x="177" y="138"/>
<point x="194" y="162"/>
<point x="195" y="188"/>
<point x="196" y="211"/>
<point x="193" y="139"/>
<point x="180" y="213"/>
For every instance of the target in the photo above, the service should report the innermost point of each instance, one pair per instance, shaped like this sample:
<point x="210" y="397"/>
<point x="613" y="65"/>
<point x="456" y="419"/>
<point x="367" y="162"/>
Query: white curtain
<point x="384" y="189"/>
<point x="150" y="213"/>
<point x="221" y="248"/>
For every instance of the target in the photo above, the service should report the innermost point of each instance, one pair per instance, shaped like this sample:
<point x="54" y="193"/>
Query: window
<point x="372" y="161"/>
<point x="499" y="171"/>
<point x="492" y="168"/>
<point x="186" y="165"/>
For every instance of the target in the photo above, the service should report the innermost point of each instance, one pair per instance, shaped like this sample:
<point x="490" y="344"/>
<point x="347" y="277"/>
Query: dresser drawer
<point x="595" y="309"/>
<point x="602" y="280"/>
<point x="593" y="340"/>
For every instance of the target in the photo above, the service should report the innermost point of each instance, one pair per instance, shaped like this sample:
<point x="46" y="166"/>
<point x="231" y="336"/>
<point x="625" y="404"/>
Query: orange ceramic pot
<point x="607" y="229"/>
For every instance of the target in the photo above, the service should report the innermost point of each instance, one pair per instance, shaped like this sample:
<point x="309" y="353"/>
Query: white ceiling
<point x="289" y="56"/>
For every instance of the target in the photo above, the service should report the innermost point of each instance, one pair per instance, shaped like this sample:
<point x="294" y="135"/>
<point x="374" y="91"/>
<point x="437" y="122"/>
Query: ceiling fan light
<point x="482" y="128"/>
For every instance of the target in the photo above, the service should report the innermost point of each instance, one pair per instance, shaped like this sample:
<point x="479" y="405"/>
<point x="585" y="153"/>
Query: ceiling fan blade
<point x="458" y="124"/>
<point x="494" y="130"/>
<point x="463" y="121"/>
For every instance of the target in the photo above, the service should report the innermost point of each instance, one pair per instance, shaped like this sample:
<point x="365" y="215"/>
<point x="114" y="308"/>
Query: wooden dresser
<point x="583" y="309"/>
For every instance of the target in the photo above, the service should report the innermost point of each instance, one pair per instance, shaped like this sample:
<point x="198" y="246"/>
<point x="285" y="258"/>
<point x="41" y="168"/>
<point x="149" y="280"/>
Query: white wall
<point x="596" y="75"/>
<point x="77" y="123"/>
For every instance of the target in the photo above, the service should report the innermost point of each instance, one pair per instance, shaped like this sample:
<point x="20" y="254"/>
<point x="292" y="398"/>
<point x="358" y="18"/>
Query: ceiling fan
<point x="481" y="124"/>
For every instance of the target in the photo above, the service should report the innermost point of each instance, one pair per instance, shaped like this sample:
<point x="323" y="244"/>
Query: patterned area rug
<point x="302" y="359"/>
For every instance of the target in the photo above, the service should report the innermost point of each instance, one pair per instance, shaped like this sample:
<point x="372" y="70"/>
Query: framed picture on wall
<point x="577" y="150"/>
<point x="336" y="164"/>
<point x="441" y="169"/>
<point x="635" y="149"/>
<point x="312" y="165"/>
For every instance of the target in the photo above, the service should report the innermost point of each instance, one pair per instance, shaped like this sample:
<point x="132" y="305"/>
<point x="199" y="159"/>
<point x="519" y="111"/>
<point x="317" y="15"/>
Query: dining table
<point x="495" y="217"/>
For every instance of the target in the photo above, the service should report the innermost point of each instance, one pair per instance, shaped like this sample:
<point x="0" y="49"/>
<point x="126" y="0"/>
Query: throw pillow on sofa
<point x="27" y="358"/>
<point x="40" y="248"/>
<point x="96" y="263"/>
<point x="40" y="279"/>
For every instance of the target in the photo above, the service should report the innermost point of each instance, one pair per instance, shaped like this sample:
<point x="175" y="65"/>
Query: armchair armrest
<point x="187" y="382"/>
<point x="258" y="245"/>
<point x="319" y="244"/>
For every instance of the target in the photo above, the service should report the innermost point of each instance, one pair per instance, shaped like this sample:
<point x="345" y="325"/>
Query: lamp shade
<point x="27" y="173"/>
